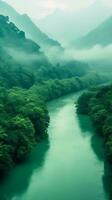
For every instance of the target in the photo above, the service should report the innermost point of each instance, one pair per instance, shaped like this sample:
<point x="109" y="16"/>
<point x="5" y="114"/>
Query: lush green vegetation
<point x="23" y="122"/>
<point x="24" y="117"/>
<point x="54" y="88"/>
<point x="27" y="81"/>
<point x="97" y="103"/>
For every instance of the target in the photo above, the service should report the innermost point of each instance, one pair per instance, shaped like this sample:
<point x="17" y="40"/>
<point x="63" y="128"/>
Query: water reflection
<point x="85" y="125"/>
<point x="18" y="181"/>
<point x="96" y="141"/>
<point x="107" y="179"/>
<point x="98" y="148"/>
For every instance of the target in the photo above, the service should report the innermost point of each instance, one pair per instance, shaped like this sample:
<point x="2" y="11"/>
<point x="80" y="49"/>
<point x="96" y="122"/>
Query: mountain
<point x="23" y="64"/>
<point x="20" y="58"/>
<point x="24" y="23"/>
<point x="102" y="35"/>
<point x="67" y="26"/>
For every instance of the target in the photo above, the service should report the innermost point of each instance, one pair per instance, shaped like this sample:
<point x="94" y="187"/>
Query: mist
<point x="98" y="57"/>
<point x="95" y="53"/>
<point x="22" y="56"/>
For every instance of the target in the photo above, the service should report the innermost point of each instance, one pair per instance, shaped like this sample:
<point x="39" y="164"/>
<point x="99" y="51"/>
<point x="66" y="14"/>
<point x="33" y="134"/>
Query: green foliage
<point x="6" y="162"/>
<point x="23" y="120"/>
<point x="83" y="103"/>
<point x="99" y="107"/>
<point x="25" y="133"/>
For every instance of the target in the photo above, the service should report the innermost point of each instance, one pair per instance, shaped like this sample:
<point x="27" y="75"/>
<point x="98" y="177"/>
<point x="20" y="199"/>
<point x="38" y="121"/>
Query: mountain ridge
<point x="68" y="26"/>
<point x="26" y="24"/>
<point x="101" y="35"/>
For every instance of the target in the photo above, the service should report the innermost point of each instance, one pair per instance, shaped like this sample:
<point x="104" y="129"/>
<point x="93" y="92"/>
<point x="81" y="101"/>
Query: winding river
<point x="69" y="166"/>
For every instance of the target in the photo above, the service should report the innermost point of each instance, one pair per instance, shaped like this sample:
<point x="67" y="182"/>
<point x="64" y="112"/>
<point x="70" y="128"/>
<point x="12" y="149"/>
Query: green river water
<point x="70" y="166"/>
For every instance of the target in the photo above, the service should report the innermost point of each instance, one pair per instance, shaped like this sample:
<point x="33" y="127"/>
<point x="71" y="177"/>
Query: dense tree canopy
<point x="98" y="104"/>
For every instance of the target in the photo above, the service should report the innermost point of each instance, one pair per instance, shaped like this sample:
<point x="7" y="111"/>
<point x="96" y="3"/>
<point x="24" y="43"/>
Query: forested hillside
<point x="25" y="23"/>
<point x="23" y="61"/>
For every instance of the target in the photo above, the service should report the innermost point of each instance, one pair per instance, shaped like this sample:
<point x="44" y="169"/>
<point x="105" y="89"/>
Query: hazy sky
<point x="42" y="8"/>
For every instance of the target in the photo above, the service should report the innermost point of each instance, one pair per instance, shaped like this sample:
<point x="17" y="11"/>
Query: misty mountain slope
<point x="20" y="58"/>
<point x="102" y="35"/>
<point x="69" y="26"/>
<point x="25" y="23"/>
<point x="17" y="37"/>
<point x="22" y="61"/>
<point x="23" y="50"/>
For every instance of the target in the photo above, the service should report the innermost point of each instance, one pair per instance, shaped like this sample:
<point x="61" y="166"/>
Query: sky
<point x="39" y="9"/>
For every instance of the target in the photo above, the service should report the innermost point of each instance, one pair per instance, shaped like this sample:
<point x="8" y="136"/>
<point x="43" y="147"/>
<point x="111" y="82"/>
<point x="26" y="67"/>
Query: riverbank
<point x="63" y="167"/>
<point x="25" y="120"/>
<point x="97" y="103"/>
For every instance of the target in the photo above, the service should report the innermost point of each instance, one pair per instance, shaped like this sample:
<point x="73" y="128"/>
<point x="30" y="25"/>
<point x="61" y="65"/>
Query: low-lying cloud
<point x="96" y="53"/>
<point x="24" y="57"/>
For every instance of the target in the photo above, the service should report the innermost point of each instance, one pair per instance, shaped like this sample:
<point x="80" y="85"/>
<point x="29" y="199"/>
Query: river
<point x="69" y="166"/>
